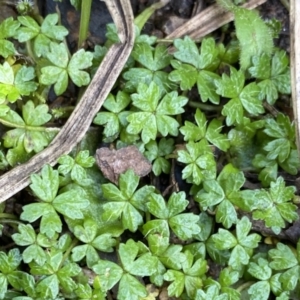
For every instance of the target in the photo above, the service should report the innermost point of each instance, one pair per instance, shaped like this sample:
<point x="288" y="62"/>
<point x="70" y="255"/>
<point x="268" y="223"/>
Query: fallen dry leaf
<point x="112" y="163"/>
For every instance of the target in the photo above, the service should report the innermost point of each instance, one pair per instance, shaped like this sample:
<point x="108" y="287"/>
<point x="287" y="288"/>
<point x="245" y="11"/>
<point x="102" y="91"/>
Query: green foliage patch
<point x="222" y="164"/>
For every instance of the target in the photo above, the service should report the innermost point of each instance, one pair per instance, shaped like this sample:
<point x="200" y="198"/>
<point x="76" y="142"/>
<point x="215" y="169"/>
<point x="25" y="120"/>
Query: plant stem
<point x="84" y="22"/>
<point x="203" y="106"/>
<point x="7" y="216"/>
<point x="286" y="4"/>
<point x="30" y="128"/>
<point x="68" y="251"/>
<point x="245" y="286"/>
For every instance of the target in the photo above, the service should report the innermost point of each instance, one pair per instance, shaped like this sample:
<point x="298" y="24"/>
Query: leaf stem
<point x="245" y="286"/>
<point x="30" y="128"/>
<point x="30" y="52"/>
<point x="286" y="4"/>
<point x="7" y="216"/>
<point x="205" y="107"/>
<point x="11" y="220"/>
<point x="68" y="251"/>
<point x="84" y="22"/>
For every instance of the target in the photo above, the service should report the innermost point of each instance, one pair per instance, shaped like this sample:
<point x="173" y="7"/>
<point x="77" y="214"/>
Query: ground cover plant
<point x="213" y="219"/>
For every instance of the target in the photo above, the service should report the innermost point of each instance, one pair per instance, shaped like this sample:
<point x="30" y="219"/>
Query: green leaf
<point x="241" y="244"/>
<point x="9" y="262"/>
<point x="259" y="290"/>
<point x="199" y="160"/>
<point x="15" y="84"/>
<point x="71" y="204"/>
<point x="63" y="68"/>
<point x="113" y="119"/>
<point x="283" y="133"/>
<point x="34" y="253"/>
<point x="51" y="30"/>
<point x="56" y="74"/>
<point x="206" y="86"/>
<point x="231" y="87"/>
<point x="224" y="239"/>
<point x="176" y="203"/>
<point x="160" y="78"/>
<point x="27" y="237"/>
<point x="172" y="257"/>
<point x="8" y="28"/>
<point x="104" y="242"/>
<point x="131" y="288"/>
<point x="118" y="103"/>
<point x="187" y="52"/>
<point x="226" y="214"/>
<point x="214" y="136"/>
<point x="157" y="206"/>
<point x="260" y="270"/>
<point x="64" y="275"/>
<point x="185" y="74"/>
<point x="250" y="101"/>
<point x="185" y="225"/>
<point x="269" y="169"/>
<point x="28" y="132"/>
<point x="23" y="80"/>
<point x="76" y="167"/>
<point x="193" y="67"/>
<point x="45" y="186"/>
<point x="225" y="192"/>
<point x="42" y="35"/>
<point x="233" y="111"/>
<point x="273" y="74"/>
<point x="289" y="278"/>
<point x="228" y="277"/>
<point x="158" y="235"/>
<point x="292" y="163"/>
<point x="109" y="273"/>
<point x="242" y="230"/>
<point x="87" y="232"/>
<point x="212" y="293"/>
<point x="213" y="196"/>
<point x="156" y="154"/>
<point x="153" y="61"/>
<point x="241" y="97"/>
<point x="275" y="207"/>
<point x="79" y="61"/>
<point x="29" y="30"/>
<point x="177" y="286"/>
<point x="111" y="122"/>
<point x="31" y="212"/>
<point x="48" y="287"/>
<point x="144" y="265"/>
<point x="252" y="32"/>
<point x="194" y="132"/>
<point x="239" y="257"/>
<point x="155" y="115"/>
<point x="79" y="252"/>
<point x="282" y="257"/>
<point x="50" y="223"/>
<point x="126" y="202"/>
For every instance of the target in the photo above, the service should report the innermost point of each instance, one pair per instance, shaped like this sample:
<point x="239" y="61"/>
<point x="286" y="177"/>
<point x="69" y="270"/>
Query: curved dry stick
<point x="78" y="123"/>
<point x="295" y="64"/>
<point x="208" y="20"/>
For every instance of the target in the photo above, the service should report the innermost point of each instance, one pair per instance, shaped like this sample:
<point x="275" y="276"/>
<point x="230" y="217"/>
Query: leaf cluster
<point x="201" y="110"/>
